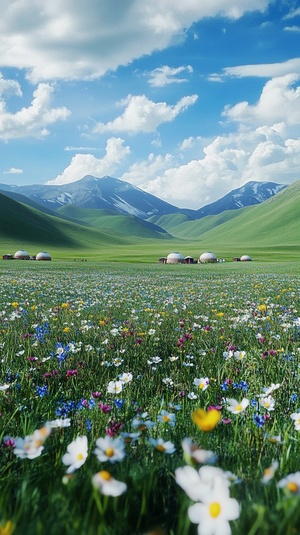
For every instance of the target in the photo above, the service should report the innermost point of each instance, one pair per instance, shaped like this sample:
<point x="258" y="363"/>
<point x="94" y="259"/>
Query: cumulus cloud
<point x="144" y="115"/>
<point x="266" y="147"/>
<point x="279" y="101"/>
<point x="66" y="40"/>
<point x="88" y="164"/>
<point x="32" y="121"/>
<point x="166" y="75"/>
<point x="9" y="86"/>
<point x="13" y="171"/>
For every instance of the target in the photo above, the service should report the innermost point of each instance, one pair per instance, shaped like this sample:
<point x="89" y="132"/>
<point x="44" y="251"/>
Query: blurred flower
<point x="206" y="421"/>
<point x="60" y="423"/>
<point x="270" y="472"/>
<point x="163" y="447"/>
<point x="76" y="455"/>
<point x="236" y="407"/>
<point x="7" y="529"/>
<point x="110" y="449"/>
<point x="106" y="484"/>
<point x="296" y="417"/>
<point x="291" y="483"/>
<point x="167" y="417"/>
<point x="192" y="453"/>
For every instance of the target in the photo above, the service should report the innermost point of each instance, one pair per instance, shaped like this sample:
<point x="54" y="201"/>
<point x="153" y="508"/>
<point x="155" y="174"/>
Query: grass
<point x="70" y="328"/>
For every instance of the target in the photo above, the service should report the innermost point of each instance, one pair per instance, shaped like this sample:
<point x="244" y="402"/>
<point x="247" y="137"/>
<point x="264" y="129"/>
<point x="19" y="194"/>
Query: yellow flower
<point x="262" y="308"/>
<point x="65" y="305"/>
<point x="66" y="329"/>
<point x="7" y="529"/>
<point x="206" y="421"/>
<point x="15" y="304"/>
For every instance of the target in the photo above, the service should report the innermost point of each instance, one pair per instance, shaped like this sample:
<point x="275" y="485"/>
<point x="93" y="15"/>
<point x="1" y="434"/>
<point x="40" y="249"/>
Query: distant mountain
<point x="109" y="193"/>
<point x="249" y="194"/>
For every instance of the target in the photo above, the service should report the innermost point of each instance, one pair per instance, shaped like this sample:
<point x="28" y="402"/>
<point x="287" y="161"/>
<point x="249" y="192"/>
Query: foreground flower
<point x="197" y="484"/>
<point x="296" y="417"/>
<point x="7" y="529"/>
<point x="215" y="512"/>
<point x="32" y="446"/>
<point x="269" y="472"/>
<point x="107" y="485"/>
<point x="162" y="446"/>
<point x="192" y="453"/>
<point x="76" y="455"/>
<point x="110" y="449"/>
<point x="206" y="421"/>
<point x="167" y="417"/>
<point x="236" y="407"/>
<point x="60" y="423"/>
<point x="291" y="483"/>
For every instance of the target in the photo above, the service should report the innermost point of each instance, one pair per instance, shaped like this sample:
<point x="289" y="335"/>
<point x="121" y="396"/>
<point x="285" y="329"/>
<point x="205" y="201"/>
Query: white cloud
<point x="265" y="70"/>
<point x="66" y="40"/>
<point x="166" y="75"/>
<point x="144" y="115"/>
<point x="88" y="164"/>
<point x="31" y="121"/>
<point x="279" y="101"/>
<point x="292" y="28"/>
<point x="13" y="171"/>
<point x="76" y="149"/>
<point x="9" y="86"/>
<point x="293" y="13"/>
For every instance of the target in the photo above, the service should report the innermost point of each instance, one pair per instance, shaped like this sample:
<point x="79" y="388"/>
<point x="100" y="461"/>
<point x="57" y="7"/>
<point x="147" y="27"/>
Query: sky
<point x="186" y="100"/>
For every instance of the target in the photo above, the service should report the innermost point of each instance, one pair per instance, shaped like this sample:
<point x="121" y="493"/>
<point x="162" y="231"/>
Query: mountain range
<point x="112" y="194"/>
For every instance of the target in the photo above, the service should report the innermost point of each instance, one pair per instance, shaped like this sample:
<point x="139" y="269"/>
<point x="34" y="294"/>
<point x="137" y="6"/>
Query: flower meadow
<point x="149" y="400"/>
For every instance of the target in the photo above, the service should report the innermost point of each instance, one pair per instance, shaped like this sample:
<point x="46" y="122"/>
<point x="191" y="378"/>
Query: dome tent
<point x="175" y="258"/>
<point x="207" y="258"/>
<point x="43" y="256"/>
<point x="21" y="255"/>
<point x="245" y="258"/>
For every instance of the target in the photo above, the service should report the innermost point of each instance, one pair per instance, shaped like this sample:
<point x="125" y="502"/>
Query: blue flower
<point x="119" y="403"/>
<point x="258" y="419"/>
<point x="42" y="390"/>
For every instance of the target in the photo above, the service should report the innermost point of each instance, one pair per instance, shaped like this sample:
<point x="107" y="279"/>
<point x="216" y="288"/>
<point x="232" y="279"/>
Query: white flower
<point x="296" y="417"/>
<point x="239" y="355"/>
<point x="201" y="383"/>
<point x="125" y="377"/>
<point x="215" y="511"/>
<point x="270" y="472"/>
<point x="291" y="483"/>
<point x="60" y="423"/>
<point x="4" y="387"/>
<point x="162" y="446"/>
<point x="32" y="446"/>
<point x="271" y="389"/>
<point x="107" y="485"/>
<point x="192" y="395"/>
<point x="114" y="387"/>
<point x="236" y="407"/>
<point x="167" y="417"/>
<point x="110" y="449"/>
<point x="193" y="453"/>
<point x="267" y="402"/>
<point x="76" y="455"/>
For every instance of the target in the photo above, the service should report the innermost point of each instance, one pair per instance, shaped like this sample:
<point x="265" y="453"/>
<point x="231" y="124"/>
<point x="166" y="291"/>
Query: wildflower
<point x="202" y="383"/>
<point x="125" y="378"/>
<point x="296" y="417"/>
<point x="192" y="453"/>
<point x="192" y="395"/>
<point x="271" y="389"/>
<point x="167" y="418"/>
<point x="141" y="423"/>
<point x="106" y="484"/>
<point x="76" y="455"/>
<point x="162" y="446"/>
<point x="236" y="407"/>
<point x="7" y="529"/>
<point x="4" y="387"/>
<point x="291" y="483"/>
<point x="110" y="449"/>
<point x="32" y="446"/>
<point x="259" y="420"/>
<point x="119" y="403"/>
<point x="114" y="387"/>
<point x="197" y="484"/>
<point x="41" y="391"/>
<point x="215" y="511"/>
<point x="274" y="439"/>
<point x="130" y="437"/>
<point x="206" y="421"/>
<point x="239" y="355"/>
<point x="270" y="472"/>
<point x="168" y="381"/>
<point x="60" y="423"/>
<point x="267" y="402"/>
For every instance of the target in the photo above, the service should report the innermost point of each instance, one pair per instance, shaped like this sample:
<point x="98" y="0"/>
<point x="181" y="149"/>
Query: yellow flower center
<point x="166" y="418"/>
<point x="292" y="486"/>
<point x="79" y="457"/>
<point x="160" y="448"/>
<point x="110" y="452"/>
<point x="239" y="407"/>
<point x="267" y="404"/>
<point x="214" y="509"/>
<point x="201" y="385"/>
<point x="104" y="475"/>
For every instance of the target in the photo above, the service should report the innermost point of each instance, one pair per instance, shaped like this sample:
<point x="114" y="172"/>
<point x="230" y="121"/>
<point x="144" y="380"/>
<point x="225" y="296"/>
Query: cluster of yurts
<point x="204" y="258"/>
<point x="24" y="255"/>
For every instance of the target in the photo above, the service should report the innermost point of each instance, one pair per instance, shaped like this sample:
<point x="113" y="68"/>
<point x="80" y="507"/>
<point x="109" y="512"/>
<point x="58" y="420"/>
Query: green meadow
<point x="149" y="399"/>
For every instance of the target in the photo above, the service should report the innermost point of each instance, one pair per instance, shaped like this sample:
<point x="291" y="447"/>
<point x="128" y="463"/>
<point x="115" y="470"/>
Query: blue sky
<point x="185" y="100"/>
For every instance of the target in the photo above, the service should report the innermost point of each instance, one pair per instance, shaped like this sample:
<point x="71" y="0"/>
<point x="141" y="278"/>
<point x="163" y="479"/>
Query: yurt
<point x="207" y="258"/>
<point x="246" y="258"/>
<point x="175" y="258"/>
<point x="43" y="256"/>
<point x="21" y="255"/>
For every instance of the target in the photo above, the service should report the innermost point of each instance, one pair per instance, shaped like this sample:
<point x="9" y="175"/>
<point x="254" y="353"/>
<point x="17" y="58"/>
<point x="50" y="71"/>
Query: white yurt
<point x="245" y="258"/>
<point x="207" y="258"/>
<point x="43" y="256"/>
<point x="175" y="258"/>
<point x="22" y="255"/>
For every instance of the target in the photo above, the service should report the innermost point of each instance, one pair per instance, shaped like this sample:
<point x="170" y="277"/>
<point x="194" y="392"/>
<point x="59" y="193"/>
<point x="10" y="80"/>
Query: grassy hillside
<point x="113" y="221"/>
